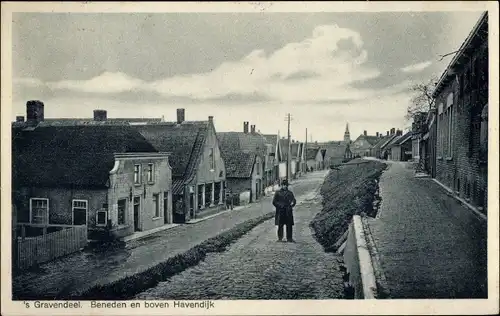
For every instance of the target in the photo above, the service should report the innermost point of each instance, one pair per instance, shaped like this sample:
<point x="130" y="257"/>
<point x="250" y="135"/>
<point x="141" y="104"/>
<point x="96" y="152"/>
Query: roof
<point x="393" y="141"/>
<point x="71" y="156"/>
<point x="467" y="46"/>
<point x="184" y="141"/>
<point x="239" y="150"/>
<point x="270" y="139"/>
<point x="335" y="150"/>
<point x="239" y="164"/>
<point x="387" y="141"/>
<point x="295" y="149"/>
<point x="381" y="141"/>
<point x="403" y="139"/>
<point x="311" y="153"/>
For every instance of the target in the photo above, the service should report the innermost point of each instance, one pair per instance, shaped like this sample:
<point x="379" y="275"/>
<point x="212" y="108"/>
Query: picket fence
<point x="36" y="250"/>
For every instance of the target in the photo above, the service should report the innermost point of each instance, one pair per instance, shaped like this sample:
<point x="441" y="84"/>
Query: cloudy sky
<point x="326" y="69"/>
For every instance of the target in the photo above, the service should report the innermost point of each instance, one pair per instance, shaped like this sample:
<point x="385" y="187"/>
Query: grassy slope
<point x="346" y="192"/>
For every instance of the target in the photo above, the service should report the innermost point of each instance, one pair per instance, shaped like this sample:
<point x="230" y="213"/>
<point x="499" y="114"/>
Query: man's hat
<point x="284" y="182"/>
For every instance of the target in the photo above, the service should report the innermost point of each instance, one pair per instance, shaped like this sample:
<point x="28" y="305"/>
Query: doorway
<point x="165" y="208"/>
<point x="137" y="210"/>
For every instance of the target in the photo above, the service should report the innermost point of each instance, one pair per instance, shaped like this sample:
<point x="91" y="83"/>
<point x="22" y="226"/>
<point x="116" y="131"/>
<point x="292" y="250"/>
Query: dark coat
<point x="284" y="201"/>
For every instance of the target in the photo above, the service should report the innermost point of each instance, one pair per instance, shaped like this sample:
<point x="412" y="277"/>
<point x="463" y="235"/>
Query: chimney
<point x="100" y="115"/>
<point x="393" y="130"/>
<point x="211" y="119"/>
<point x="387" y="133"/>
<point x="252" y="129"/>
<point x="364" y="133"/>
<point x="20" y="118"/>
<point x="180" y="116"/>
<point x="245" y="127"/>
<point x="377" y="134"/>
<point x="399" y="132"/>
<point x="34" y="111"/>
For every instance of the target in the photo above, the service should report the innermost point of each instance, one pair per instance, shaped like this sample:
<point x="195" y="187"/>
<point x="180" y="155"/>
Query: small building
<point x="385" y="151"/>
<point x="107" y="177"/>
<point x="400" y="147"/>
<point x="244" y="170"/>
<point x="314" y="159"/>
<point x="461" y="98"/>
<point x="363" y="144"/>
<point x="336" y="153"/>
<point x="376" y="150"/>
<point x="198" y="170"/>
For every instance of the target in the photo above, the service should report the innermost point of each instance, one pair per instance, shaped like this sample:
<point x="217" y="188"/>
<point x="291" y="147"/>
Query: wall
<point x="60" y="203"/>
<point x="257" y="180"/>
<point x="358" y="261"/>
<point x="461" y="172"/>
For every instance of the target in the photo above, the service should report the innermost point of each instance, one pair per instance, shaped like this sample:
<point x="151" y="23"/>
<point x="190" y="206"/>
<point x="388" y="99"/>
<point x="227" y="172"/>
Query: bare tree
<point x="422" y="100"/>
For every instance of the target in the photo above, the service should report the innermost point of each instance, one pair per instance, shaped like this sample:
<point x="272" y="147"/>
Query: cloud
<point x="416" y="67"/>
<point x="321" y="67"/>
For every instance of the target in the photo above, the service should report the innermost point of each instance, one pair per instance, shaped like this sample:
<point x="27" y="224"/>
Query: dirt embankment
<point x="346" y="192"/>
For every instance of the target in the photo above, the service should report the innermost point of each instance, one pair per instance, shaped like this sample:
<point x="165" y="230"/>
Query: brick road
<point x="259" y="267"/>
<point x="80" y="271"/>
<point x="430" y="246"/>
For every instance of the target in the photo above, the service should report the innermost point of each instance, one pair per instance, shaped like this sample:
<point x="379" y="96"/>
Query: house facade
<point x="107" y="177"/>
<point x="244" y="155"/>
<point x="401" y="148"/>
<point x="363" y="144"/>
<point x="198" y="170"/>
<point x="461" y="98"/>
<point x="314" y="159"/>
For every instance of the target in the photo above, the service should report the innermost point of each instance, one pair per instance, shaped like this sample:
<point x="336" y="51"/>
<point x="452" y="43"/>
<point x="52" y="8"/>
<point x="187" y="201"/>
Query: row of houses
<point x="118" y="176"/>
<point x="450" y="141"/>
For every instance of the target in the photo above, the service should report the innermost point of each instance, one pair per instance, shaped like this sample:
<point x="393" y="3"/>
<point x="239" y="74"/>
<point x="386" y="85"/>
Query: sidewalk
<point x="430" y="246"/>
<point x="75" y="273"/>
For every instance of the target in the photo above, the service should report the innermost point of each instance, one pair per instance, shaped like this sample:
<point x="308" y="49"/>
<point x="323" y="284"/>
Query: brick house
<point x="105" y="176"/>
<point x="363" y="144"/>
<point x="244" y="167"/>
<point x="314" y="159"/>
<point x="198" y="170"/>
<point x="461" y="97"/>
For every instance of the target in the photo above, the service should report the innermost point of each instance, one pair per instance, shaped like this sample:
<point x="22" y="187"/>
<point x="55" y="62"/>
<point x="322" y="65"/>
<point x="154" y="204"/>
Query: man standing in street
<point x="284" y="201"/>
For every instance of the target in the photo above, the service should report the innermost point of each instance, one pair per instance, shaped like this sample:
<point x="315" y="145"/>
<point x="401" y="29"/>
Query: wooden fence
<point x="49" y="246"/>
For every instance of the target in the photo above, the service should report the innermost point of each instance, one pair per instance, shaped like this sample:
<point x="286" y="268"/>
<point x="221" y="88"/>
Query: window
<point x="101" y="217"/>
<point x="483" y="135"/>
<point x="449" y="131"/>
<point x="39" y="211"/>
<point x="80" y="208"/>
<point x="150" y="172"/>
<point x="257" y="165"/>
<point x="137" y="174"/>
<point x="212" y="159"/>
<point x="122" y="207"/>
<point x="156" y="205"/>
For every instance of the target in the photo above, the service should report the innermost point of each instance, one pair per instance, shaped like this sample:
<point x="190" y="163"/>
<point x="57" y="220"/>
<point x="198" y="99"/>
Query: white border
<point x="303" y="307"/>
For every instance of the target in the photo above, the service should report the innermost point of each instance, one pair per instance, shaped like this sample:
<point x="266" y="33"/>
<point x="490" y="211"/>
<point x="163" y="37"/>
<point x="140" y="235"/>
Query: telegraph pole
<point x="288" y="118"/>
<point x="304" y="154"/>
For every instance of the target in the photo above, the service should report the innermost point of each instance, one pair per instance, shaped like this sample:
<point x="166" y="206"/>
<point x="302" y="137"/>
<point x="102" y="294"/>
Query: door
<point x="191" y="205"/>
<point x="137" y="211"/>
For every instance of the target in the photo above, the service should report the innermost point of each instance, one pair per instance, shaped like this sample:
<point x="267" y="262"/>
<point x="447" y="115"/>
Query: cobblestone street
<point x="430" y="246"/>
<point x="259" y="267"/>
<point x="80" y="271"/>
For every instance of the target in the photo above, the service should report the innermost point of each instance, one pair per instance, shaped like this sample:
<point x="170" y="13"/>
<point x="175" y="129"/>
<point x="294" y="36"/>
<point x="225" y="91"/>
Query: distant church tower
<point x="347" y="135"/>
